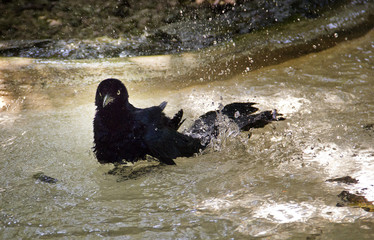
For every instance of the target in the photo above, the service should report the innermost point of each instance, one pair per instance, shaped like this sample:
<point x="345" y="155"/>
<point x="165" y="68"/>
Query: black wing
<point x="163" y="141"/>
<point x="241" y="114"/>
<point x="205" y="127"/>
<point x="167" y="144"/>
<point x="176" y="121"/>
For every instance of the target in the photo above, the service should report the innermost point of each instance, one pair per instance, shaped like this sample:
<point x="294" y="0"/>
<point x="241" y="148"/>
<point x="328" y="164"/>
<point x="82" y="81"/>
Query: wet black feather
<point x="123" y="132"/>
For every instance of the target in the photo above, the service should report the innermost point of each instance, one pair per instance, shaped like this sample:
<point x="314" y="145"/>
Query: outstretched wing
<point x="238" y="108"/>
<point x="241" y="114"/>
<point x="162" y="140"/>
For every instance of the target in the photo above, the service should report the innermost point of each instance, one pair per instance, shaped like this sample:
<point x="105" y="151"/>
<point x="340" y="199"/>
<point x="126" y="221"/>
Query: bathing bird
<point x="124" y="133"/>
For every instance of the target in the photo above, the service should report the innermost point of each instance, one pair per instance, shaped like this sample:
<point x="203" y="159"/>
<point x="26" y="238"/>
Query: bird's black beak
<point x="107" y="99"/>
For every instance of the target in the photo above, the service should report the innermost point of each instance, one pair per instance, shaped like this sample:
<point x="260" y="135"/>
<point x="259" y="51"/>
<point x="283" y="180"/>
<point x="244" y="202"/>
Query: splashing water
<point x="271" y="185"/>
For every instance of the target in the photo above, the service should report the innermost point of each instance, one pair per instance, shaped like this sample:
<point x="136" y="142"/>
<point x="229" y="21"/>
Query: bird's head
<point x="111" y="92"/>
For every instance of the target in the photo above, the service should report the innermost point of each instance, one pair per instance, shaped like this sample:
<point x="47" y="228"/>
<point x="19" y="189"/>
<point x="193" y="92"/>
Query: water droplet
<point x="237" y="114"/>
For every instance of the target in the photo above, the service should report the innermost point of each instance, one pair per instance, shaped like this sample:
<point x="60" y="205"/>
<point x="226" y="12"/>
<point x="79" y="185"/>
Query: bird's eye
<point x="118" y="92"/>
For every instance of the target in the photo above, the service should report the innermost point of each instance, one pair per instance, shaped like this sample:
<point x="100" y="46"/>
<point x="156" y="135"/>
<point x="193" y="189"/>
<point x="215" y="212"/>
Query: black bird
<point x="124" y="132"/>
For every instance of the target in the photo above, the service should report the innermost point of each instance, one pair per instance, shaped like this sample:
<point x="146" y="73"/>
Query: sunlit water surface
<point x="272" y="185"/>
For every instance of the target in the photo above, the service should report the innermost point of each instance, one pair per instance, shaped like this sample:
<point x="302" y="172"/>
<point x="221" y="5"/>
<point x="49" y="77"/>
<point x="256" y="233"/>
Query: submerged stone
<point x="44" y="178"/>
<point x="133" y="171"/>
<point x="354" y="200"/>
<point x="346" y="179"/>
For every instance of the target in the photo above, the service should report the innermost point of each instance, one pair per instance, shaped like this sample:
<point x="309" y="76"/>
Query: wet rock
<point x="44" y="178"/>
<point x="346" y="180"/>
<point x="243" y="54"/>
<point x="350" y="199"/>
<point x="354" y="200"/>
<point x="160" y="42"/>
<point x="14" y="48"/>
<point x="171" y="26"/>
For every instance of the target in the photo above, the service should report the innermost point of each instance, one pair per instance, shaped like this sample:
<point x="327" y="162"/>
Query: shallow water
<point x="272" y="185"/>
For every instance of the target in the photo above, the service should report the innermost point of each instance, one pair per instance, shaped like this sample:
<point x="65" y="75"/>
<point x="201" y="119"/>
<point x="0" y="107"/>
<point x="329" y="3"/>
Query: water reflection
<point x="272" y="185"/>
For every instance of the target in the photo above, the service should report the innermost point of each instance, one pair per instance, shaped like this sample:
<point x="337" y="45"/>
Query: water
<point x="272" y="185"/>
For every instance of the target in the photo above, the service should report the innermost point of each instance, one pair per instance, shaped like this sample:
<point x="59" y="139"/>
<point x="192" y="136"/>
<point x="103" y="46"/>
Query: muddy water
<point x="269" y="186"/>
